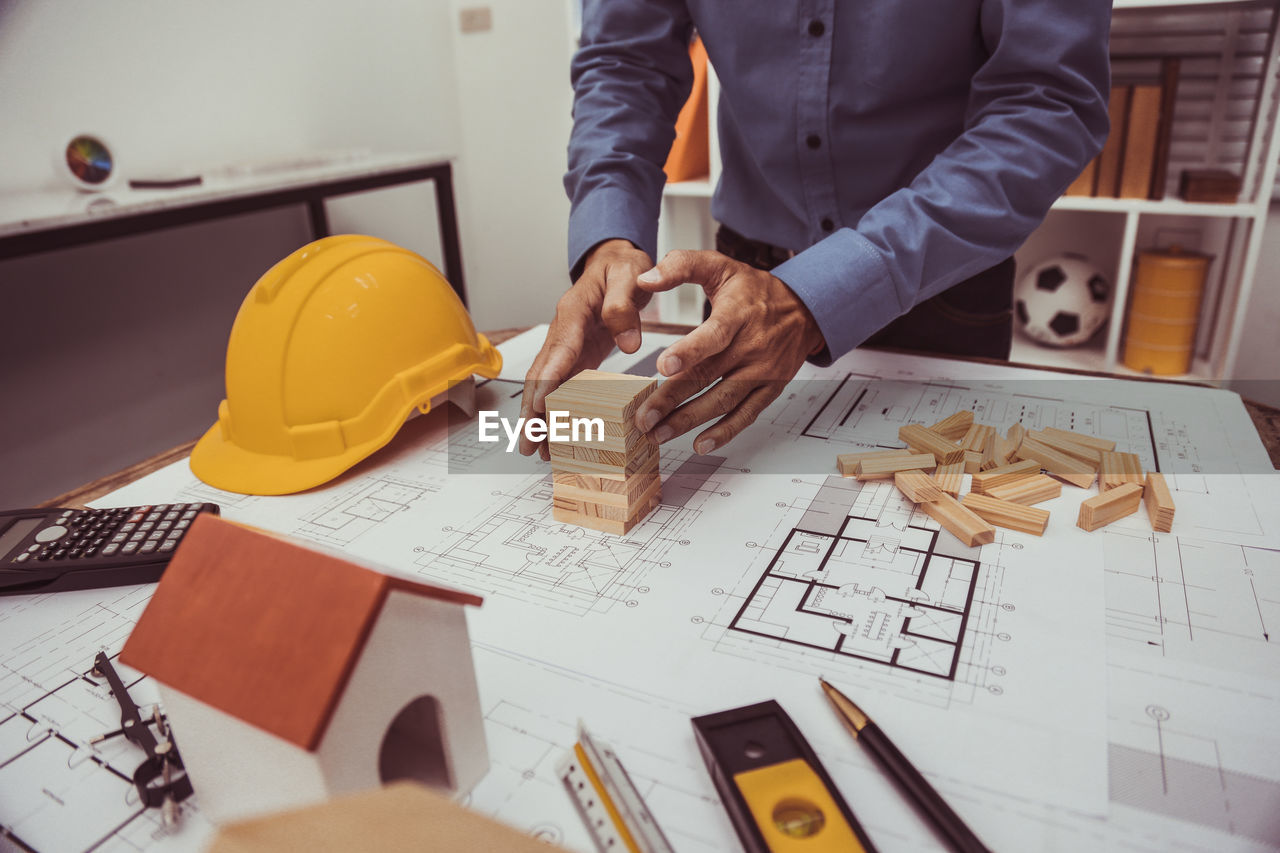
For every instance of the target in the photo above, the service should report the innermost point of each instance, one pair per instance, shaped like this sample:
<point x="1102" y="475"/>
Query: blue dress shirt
<point x="900" y="146"/>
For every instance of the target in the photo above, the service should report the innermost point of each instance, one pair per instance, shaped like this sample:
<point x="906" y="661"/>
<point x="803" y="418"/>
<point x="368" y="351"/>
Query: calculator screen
<point x="16" y="532"/>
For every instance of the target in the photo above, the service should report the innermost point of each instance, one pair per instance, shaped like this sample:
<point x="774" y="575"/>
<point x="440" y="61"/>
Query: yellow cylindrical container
<point x="1164" y="310"/>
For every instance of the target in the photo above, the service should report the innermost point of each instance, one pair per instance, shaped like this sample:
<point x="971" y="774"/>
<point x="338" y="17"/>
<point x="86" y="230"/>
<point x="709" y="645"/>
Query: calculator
<point x="54" y="550"/>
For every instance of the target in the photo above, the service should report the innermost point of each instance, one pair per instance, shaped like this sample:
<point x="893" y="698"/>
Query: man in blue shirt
<point x="882" y="160"/>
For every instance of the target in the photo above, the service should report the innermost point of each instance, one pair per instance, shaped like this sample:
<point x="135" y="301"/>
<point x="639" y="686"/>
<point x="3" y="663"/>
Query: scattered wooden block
<point x="1079" y="438"/>
<point x="1118" y="468"/>
<point x="963" y="523"/>
<point x="998" y="451"/>
<point x="1057" y="463"/>
<point x="972" y="461"/>
<point x="984" y="480"/>
<point x="1159" y="502"/>
<point x="879" y="469"/>
<point x="847" y="463"/>
<point x="950" y="477"/>
<point x="1014" y="516"/>
<point x="1106" y="507"/>
<point x="922" y="440"/>
<point x="1091" y="456"/>
<point x="918" y="486"/>
<point x="1015" y="434"/>
<point x="1027" y="491"/>
<point x="975" y="438"/>
<point x="954" y="425"/>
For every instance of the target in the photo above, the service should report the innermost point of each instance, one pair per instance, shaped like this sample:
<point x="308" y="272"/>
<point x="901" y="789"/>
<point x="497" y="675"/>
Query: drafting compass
<point x="161" y="779"/>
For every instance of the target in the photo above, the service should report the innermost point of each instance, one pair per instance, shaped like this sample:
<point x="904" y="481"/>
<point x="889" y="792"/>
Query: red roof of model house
<point x="261" y="628"/>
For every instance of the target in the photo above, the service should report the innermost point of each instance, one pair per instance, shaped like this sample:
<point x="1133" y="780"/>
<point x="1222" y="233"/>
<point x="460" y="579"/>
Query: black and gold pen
<point x="914" y="785"/>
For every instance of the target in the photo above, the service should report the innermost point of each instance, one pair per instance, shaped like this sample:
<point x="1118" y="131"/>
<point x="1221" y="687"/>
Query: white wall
<point x="1258" y="367"/>
<point x="112" y="352"/>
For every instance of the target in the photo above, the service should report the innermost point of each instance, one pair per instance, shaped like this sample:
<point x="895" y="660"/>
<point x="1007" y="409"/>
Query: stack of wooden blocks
<point x="1010" y="474"/>
<point x="608" y="484"/>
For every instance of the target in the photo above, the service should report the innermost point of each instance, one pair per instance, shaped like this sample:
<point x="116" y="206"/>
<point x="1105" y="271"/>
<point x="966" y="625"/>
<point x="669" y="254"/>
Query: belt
<point x="757" y="253"/>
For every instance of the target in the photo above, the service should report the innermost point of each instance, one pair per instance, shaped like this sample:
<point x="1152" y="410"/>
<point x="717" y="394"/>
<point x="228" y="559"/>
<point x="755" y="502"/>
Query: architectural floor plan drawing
<point x="885" y="588"/>
<point x="352" y="514"/>
<point x="517" y="548"/>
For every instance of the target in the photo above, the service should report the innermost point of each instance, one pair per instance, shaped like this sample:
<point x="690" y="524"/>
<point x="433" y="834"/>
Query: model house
<point x="290" y="676"/>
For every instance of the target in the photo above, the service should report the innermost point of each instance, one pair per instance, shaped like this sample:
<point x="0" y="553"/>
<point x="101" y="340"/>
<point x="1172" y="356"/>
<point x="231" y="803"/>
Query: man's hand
<point x="757" y="337"/>
<point x="600" y="310"/>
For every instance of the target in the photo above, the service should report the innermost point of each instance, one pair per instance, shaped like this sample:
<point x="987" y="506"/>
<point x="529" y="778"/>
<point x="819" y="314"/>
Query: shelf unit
<point x="1226" y="115"/>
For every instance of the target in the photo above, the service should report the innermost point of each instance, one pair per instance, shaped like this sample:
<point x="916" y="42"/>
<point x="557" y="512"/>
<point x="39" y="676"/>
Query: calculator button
<point x="182" y="525"/>
<point x="90" y="552"/>
<point x="49" y="534"/>
<point x="44" y="555"/>
<point x="120" y="537"/>
<point x="129" y="548"/>
<point x="138" y="536"/>
<point x="168" y="545"/>
<point x="33" y="549"/>
<point x="164" y="525"/>
<point x="75" y="553"/>
<point x="110" y="549"/>
<point x="174" y="534"/>
<point x="189" y="514"/>
<point x="148" y="547"/>
<point x="60" y="553"/>
<point x="172" y="516"/>
<point x="146" y="525"/>
<point x="155" y="535"/>
<point x="24" y="556"/>
<point x="128" y="528"/>
<point x="154" y="516"/>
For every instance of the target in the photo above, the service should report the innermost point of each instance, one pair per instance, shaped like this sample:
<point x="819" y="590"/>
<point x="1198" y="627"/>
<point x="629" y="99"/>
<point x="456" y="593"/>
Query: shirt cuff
<point x="847" y="287"/>
<point x="604" y="214"/>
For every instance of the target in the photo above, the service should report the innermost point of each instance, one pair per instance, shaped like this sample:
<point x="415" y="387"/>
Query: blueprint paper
<point x="991" y="675"/>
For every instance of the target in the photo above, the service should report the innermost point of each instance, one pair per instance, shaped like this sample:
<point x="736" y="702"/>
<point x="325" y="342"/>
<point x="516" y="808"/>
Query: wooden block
<point x="1057" y="463"/>
<point x="637" y="488"/>
<point x="1008" y="514"/>
<point x="622" y="491"/>
<point x="1106" y="507"/>
<point x="950" y="477"/>
<point x="610" y="508"/>
<point x="1027" y="491"/>
<point x="847" y="463"/>
<point x="922" y="440"/>
<point x="1091" y="456"/>
<point x="1016" y="433"/>
<point x="997" y="452"/>
<point x="1119" y="468"/>
<point x="1159" y="502"/>
<point x="975" y="438"/>
<point x="569" y="458"/>
<point x="972" y="461"/>
<point x="918" y="486"/>
<point x="954" y="425"/>
<point x="984" y="480"/>
<point x="963" y="523"/>
<point x="597" y="394"/>
<point x="1080" y="438"/>
<point x="879" y="469"/>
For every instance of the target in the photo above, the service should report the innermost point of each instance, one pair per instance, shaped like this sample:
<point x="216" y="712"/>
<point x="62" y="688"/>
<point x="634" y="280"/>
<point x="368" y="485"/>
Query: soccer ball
<point x="1062" y="301"/>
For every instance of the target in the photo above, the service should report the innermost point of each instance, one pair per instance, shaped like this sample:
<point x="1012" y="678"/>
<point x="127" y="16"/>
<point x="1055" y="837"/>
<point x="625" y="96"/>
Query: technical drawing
<point x="352" y="513"/>
<point x="518" y="549"/>
<point x="884" y="588"/>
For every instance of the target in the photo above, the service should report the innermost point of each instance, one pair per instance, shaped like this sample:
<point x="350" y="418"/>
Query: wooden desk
<point x="59" y="219"/>
<point x="1265" y="418"/>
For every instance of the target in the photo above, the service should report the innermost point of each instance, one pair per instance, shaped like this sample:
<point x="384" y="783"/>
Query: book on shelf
<point x="1134" y="161"/>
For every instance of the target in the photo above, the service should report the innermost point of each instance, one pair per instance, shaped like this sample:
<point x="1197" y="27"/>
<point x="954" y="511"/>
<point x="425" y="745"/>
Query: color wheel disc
<point x="89" y="160"/>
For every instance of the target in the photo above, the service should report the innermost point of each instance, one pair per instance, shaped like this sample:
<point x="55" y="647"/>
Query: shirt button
<point x="827" y="224"/>
<point x="816" y="28"/>
<point x="813" y="140"/>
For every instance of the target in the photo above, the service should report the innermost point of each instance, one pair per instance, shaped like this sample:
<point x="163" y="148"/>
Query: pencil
<point x="914" y="785"/>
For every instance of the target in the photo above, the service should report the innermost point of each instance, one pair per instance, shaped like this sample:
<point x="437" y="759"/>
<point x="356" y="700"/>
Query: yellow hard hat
<point x="331" y="350"/>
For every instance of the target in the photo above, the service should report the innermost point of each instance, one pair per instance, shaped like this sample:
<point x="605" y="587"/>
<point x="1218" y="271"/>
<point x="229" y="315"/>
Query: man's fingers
<point x="710" y="338"/>
<point x="742" y="416"/>
<point x="709" y="269"/>
<point x="672" y="393"/>
<point x="621" y="310"/>
<point x="721" y="399"/>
